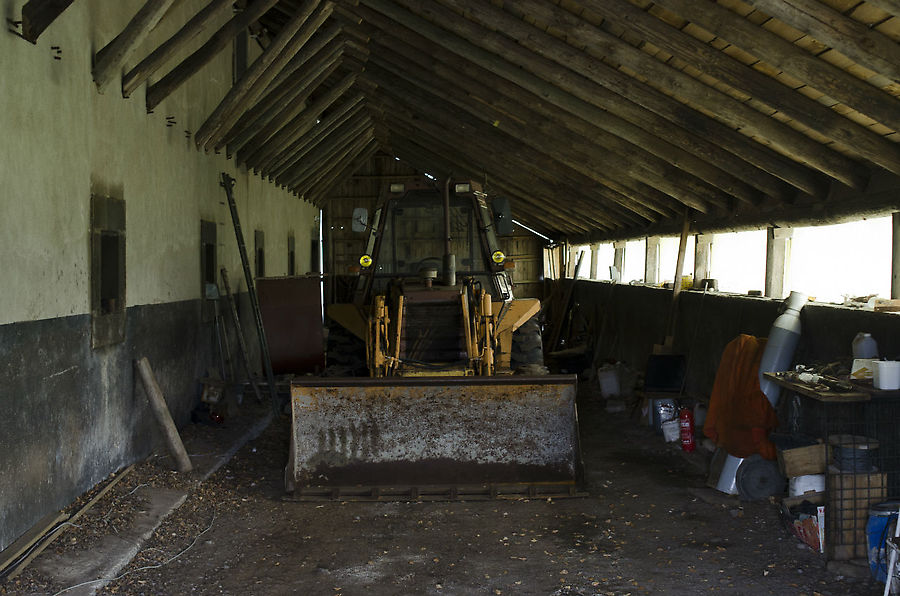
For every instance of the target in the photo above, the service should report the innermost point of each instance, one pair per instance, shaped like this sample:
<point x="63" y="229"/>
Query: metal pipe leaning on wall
<point x="161" y="411"/>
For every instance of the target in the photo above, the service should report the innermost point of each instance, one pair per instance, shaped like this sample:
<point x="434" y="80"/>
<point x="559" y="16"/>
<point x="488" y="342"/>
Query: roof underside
<point x="596" y="118"/>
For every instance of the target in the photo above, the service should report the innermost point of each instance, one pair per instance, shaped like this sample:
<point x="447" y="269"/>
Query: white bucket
<point x="608" y="379"/>
<point x="671" y="430"/>
<point x="808" y="483"/>
<point x="886" y="374"/>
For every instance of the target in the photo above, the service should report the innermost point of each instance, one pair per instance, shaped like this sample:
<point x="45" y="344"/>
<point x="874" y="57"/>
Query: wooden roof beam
<point x="704" y="57"/>
<point x="37" y="15"/>
<point x="523" y="189"/>
<point x="215" y="44"/>
<point x="254" y="81"/>
<point x="259" y="155"/>
<point x="350" y="144"/>
<point x="316" y="154"/>
<point x="570" y="152"/>
<point x="320" y="196"/>
<point x="301" y="146"/>
<point x="505" y="158"/>
<point x="109" y="60"/>
<point x="144" y="69"/>
<point x="867" y="47"/>
<point x="595" y="103"/>
<point x="729" y="173"/>
<point x="795" y="61"/>
<point x="285" y="101"/>
<point x="727" y="109"/>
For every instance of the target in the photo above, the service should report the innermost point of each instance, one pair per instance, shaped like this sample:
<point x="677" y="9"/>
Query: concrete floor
<point x="648" y="526"/>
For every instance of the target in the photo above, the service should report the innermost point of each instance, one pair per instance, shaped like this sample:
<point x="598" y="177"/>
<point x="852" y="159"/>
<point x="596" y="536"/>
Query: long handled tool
<point x="228" y="185"/>
<point x="245" y="358"/>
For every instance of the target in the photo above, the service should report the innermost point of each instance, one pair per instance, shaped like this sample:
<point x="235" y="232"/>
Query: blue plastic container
<point x="882" y="520"/>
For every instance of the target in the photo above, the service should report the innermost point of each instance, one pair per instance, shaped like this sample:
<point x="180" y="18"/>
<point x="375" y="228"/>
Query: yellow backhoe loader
<point x="443" y="413"/>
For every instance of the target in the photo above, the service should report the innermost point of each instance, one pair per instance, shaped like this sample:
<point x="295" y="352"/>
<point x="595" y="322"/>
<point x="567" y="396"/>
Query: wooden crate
<point x="801" y="461"/>
<point x="849" y="497"/>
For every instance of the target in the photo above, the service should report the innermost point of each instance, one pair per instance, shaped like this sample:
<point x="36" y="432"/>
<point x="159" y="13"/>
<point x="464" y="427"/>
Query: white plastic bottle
<point x="865" y="346"/>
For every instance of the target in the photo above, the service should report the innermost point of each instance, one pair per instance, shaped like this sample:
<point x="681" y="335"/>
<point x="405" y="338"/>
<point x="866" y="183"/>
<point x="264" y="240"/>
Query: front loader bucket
<point x="434" y="437"/>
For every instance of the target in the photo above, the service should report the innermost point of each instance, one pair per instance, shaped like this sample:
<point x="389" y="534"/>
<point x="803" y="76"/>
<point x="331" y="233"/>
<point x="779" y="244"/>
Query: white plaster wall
<point x="62" y="140"/>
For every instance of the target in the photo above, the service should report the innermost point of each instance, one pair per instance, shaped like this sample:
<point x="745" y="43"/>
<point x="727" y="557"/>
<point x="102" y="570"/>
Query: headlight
<point x="498" y="256"/>
<point x="365" y="261"/>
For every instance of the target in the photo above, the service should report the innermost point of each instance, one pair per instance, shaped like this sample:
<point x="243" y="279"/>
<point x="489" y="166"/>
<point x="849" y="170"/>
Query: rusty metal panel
<point x="292" y="316"/>
<point x="427" y="431"/>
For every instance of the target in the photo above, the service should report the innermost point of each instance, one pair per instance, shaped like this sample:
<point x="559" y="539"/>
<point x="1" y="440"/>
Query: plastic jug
<point x="865" y="346"/>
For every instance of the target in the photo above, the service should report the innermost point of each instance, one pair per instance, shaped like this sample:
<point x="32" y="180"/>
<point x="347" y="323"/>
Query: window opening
<point x="259" y="241"/>
<point x="107" y="287"/>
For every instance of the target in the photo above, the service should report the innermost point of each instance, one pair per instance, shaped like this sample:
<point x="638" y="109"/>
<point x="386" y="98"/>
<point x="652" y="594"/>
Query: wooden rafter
<point x="211" y="13"/>
<point x="109" y="60"/>
<point x="216" y="43"/>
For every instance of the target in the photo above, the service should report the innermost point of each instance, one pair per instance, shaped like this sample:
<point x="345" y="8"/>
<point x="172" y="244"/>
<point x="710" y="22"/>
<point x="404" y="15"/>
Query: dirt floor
<point x="649" y="526"/>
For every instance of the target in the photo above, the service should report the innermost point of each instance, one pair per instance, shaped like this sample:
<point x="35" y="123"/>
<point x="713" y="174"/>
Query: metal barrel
<point x="427" y="431"/>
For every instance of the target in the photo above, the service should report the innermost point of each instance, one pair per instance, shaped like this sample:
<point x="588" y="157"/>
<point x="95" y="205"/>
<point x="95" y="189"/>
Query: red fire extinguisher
<point x="686" y="425"/>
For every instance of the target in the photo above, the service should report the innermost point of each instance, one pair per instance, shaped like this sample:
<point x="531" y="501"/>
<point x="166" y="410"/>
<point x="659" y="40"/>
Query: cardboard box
<point x="801" y="461"/>
<point x="810" y="530"/>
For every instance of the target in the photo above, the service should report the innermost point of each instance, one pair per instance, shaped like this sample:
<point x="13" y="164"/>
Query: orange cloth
<point x="740" y="418"/>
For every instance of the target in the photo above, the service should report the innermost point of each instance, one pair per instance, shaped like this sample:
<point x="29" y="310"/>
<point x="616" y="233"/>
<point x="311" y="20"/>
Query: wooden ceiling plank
<point x="806" y="111"/>
<point x="593" y="103"/>
<point x="37" y="15"/>
<point x="867" y="47"/>
<point x="569" y="151"/>
<point x="145" y="69"/>
<point x="272" y="111"/>
<point x="252" y="84"/>
<point x="727" y="109"/>
<point x="891" y="7"/>
<point x="347" y="163"/>
<point x="313" y="136"/>
<point x="216" y="43"/>
<point x="793" y="60"/>
<point x="109" y="60"/>
<point x="504" y="155"/>
<point x="258" y="153"/>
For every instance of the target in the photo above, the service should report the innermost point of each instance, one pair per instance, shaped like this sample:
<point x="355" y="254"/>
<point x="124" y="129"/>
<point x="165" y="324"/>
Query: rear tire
<point x="527" y="355"/>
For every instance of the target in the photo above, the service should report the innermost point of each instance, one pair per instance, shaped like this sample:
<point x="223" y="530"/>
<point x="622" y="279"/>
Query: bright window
<point x="668" y="255"/>
<point x="851" y="259"/>
<point x="635" y="257"/>
<point x="738" y="262"/>
<point x="605" y="255"/>
<point x="585" y="271"/>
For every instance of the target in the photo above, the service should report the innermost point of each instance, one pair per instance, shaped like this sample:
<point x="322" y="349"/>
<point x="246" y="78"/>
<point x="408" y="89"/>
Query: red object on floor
<point x="740" y="417"/>
<point x="686" y="426"/>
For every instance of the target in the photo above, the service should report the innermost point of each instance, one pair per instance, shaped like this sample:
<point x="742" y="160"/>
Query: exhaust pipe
<point x="449" y="258"/>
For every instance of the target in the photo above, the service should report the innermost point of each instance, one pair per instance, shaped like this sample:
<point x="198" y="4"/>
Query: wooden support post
<point x="158" y="57"/>
<point x="676" y="290"/>
<point x="109" y="60"/>
<point x="619" y="259"/>
<point x="895" y="256"/>
<point x="163" y="417"/>
<point x="703" y="248"/>
<point x="651" y="260"/>
<point x="778" y="260"/>
<point x="595" y="249"/>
